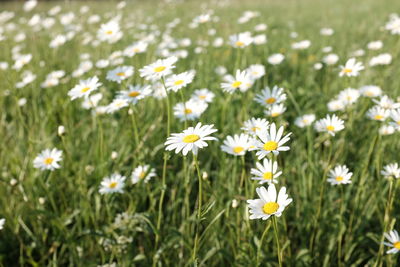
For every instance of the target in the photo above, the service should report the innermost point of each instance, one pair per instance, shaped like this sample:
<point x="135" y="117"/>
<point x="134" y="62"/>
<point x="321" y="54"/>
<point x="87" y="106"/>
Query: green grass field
<point x="59" y="217"/>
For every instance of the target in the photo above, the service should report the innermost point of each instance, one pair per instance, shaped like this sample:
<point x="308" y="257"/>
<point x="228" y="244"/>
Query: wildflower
<point x="394" y="242"/>
<point x="120" y="73"/>
<point x="331" y="125"/>
<point x="236" y="145"/>
<point x="378" y="114"/>
<point x="270" y="97"/>
<point x="177" y="81"/>
<point x="2" y="222"/>
<point x="351" y="68"/>
<point x="203" y="95"/>
<point x="84" y="88"/>
<point x="268" y="203"/>
<point x="391" y="170"/>
<point x="116" y="104"/>
<point x="370" y="90"/>
<point x="271" y="142"/>
<point x="395" y="116"/>
<point x="144" y="173"/>
<point x="275" y="110"/>
<point x="190" y="110"/>
<point x="135" y="93"/>
<point x="240" y="40"/>
<point x="276" y="59"/>
<point x="48" y="159"/>
<point x="190" y="139"/>
<point x="305" y="120"/>
<point x="158" y="69"/>
<point x="266" y="172"/>
<point x="112" y="184"/>
<point x="241" y="81"/>
<point x="255" y="126"/>
<point x="339" y="175"/>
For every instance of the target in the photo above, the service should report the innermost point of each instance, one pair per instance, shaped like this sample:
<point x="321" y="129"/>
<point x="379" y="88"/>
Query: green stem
<point x="275" y="224"/>
<point x="196" y="240"/>
<point x="261" y="243"/>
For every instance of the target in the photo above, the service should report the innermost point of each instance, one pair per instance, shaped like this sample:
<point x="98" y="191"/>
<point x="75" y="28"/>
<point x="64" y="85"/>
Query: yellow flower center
<point x="347" y="70"/>
<point x="270" y="145"/>
<point x="270" y="100"/>
<point x="191" y="138"/>
<point x="109" y="32"/>
<point x="270" y="207"/>
<point x="136" y="49"/>
<point x="236" y="84"/>
<point x="188" y="111"/>
<point x="142" y="175"/>
<point x="134" y="94"/>
<point x="330" y="128"/>
<point x="120" y="74"/>
<point x="179" y="82"/>
<point x="202" y="97"/>
<point x="339" y="178"/>
<point x="275" y="114"/>
<point x="238" y="149"/>
<point x="159" y="69"/>
<point x="48" y="161"/>
<point x="397" y="245"/>
<point x="378" y="117"/>
<point x="84" y="90"/>
<point x="239" y="43"/>
<point x="112" y="185"/>
<point x="255" y="128"/>
<point x="369" y="93"/>
<point x="267" y="175"/>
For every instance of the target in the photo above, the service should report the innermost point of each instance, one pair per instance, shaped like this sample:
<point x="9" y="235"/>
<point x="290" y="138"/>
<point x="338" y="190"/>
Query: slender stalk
<point x="196" y="239"/>
<point x="164" y="172"/>
<point x="135" y="128"/>
<point x="261" y="243"/>
<point x="340" y="227"/>
<point x="389" y="203"/>
<point x="278" y="246"/>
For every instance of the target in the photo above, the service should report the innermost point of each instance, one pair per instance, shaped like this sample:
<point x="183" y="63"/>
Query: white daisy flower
<point x="271" y="142"/>
<point x="349" y="96"/>
<point x="177" y="81"/>
<point x="305" y="120"/>
<point x="266" y="172"/>
<point x="241" y="81"/>
<point x="190" y="139"/>
<point x="120" y="73"/>
<point x="331" y="125"/>
<point x="351" y="68"/>
<point x="136" y="48"/>
<point x="109" y="32"/>
<point x="255" y="126"/>
<point x="270" y="97"/>
<point x="339" y="175"/>
<point x="394" y="242"/>
<point x="275" y="110"/>
<point x="386" y="129"/>
<point x="112" y="184"/>
<point x="203" y="95"/>
<point x="386" y="102"/>
<point x="236" y="145"/>
<point x="190" y="110"/>
<point x="335" y="105"/>
<point x="256" y="71"/>
<point x="395" y="116"/>
<point x="268" y="204"/>
<point x="158" y="69"/>
<point x="135" y="93"/>
<point x="48" y="159"/>
<point x="144" y="173"/>
<point x="391" y="170"/>
<point x="378" y="114"/>
<point x="240" y="40"/>
<point x="276" y="59"/>
<point x="116" y="104"/>
<point x="370" y="90"/>
<point x="92" y="101"/>
<point x="2" y="222"/>
<point x="84" y="88"/>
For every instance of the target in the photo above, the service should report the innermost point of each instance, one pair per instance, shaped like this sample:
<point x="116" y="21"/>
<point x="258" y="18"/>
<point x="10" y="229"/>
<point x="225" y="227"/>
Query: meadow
<point x="295" y="162"/>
